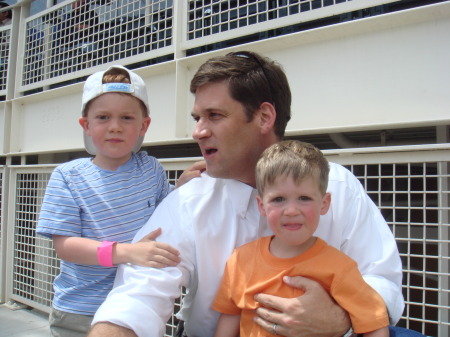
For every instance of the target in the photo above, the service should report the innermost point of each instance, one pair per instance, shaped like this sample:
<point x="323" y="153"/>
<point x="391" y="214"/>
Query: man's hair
<point x="292" y="158"/>
<point x="252" y="80"/>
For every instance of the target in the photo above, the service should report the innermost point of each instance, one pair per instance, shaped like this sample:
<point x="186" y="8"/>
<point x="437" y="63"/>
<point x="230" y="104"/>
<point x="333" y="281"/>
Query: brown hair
<point x="252" y="80"/>
<point x="292" y="158"/>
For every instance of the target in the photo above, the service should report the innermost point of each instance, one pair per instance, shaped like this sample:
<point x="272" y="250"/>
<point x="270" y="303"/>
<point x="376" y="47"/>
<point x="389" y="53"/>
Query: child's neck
<point x="280" y="249"/>
<point x="108" y="164"/>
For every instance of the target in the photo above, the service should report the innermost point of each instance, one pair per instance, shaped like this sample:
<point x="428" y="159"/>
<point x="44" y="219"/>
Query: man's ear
<point x="267" y="117"/>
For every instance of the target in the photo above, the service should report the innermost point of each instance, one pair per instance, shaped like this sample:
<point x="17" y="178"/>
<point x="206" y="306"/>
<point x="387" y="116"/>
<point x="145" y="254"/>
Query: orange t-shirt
<point x="251" y="269"/>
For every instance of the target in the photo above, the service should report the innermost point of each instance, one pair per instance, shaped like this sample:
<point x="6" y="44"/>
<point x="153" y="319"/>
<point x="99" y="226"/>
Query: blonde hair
<point x="292" y="158"/>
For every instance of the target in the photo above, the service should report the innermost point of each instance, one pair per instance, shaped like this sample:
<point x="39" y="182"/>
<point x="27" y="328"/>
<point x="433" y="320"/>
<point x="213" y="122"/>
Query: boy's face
<point x="293" y="210"/>
<point x="115" y="122"/>
<point x="230" y="144"/>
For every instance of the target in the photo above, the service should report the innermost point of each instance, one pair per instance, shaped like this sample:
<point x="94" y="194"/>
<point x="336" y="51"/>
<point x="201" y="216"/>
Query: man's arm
<point x="106" y="329"/>
<point x="142" y="299"/>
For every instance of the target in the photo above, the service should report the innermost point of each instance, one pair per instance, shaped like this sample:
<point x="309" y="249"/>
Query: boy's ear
<point x="145" y="124"/>
<point x="84" y="123"/>
<point x="267" y="117"/>
<point x="260" y="205"/>
<point x="326" y="202"/>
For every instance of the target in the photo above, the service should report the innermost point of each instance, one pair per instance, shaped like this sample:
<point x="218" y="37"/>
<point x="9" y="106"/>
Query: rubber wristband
<point x="104" y="253"/>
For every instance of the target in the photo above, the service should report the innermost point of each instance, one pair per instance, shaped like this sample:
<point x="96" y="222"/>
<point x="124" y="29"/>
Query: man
<point x="242" y="105"/>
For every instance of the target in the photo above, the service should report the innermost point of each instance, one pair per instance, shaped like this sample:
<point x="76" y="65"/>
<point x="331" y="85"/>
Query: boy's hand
<point x="149" y="253"/>
<point x="193" y="171"/>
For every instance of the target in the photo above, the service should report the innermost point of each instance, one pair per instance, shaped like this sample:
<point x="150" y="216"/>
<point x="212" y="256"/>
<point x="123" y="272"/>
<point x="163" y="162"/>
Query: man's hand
<point x="313" y="314"/>
<point x="106" y="329"/>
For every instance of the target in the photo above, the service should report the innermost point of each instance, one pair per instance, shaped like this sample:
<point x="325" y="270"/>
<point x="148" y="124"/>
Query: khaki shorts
<point x="66" y="324"/>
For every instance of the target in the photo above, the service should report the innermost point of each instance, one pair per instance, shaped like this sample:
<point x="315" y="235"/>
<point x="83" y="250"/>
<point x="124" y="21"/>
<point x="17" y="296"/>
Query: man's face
<point x="230" y="144"/>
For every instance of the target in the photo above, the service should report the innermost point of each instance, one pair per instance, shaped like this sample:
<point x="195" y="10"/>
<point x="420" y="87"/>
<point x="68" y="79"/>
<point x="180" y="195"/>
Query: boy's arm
<point x="228" y="326"/>
<point x="146" y="252"/>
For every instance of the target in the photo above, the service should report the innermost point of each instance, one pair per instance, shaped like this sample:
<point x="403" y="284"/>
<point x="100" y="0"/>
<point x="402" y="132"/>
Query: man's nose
<point x="201" y="130"/>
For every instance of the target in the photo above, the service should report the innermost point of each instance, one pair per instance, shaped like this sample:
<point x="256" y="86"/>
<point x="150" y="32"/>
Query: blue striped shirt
<point x="83" y="200"/>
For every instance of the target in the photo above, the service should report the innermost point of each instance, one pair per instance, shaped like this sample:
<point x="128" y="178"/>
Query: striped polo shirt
<point x="83" y="200"/>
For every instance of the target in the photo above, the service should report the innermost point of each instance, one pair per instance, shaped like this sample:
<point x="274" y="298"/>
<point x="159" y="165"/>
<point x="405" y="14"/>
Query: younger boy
<point x="292" y="178"/>
<point x="93" y="207"/>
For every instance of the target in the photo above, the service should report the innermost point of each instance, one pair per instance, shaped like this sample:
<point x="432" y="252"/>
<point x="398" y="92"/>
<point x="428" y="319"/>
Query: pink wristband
<point x="104" y="253"/>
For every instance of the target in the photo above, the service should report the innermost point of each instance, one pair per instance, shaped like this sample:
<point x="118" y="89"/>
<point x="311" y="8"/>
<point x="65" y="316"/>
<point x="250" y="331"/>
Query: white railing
<point x="50" y="49"/>
<point x="409" y="184"/>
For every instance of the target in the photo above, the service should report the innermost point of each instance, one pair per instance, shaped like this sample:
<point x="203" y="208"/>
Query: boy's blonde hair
<point x="292" y="158"/>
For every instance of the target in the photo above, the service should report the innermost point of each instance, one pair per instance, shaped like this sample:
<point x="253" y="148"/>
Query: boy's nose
<point x="292" y="209"/>
<point x="115" y="124"/>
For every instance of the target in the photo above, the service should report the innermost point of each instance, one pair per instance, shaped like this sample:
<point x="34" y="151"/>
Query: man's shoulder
<point x="340" y="176"/>
<point x="205" y="184"/>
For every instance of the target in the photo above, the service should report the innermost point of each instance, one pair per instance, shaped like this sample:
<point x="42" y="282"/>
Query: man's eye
<point x="215" y="116"/>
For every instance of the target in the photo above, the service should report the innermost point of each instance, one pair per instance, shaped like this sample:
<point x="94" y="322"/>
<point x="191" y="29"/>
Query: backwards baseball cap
<point x="94" y="87"/>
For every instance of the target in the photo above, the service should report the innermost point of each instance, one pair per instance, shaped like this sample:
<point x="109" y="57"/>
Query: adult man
<point x="242" y="106"/>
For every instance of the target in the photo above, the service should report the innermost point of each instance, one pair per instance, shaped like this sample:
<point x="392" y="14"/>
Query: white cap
<point x="93" y="87"/>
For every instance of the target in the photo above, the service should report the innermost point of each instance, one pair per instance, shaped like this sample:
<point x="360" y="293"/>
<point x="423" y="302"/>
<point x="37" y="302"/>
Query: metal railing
<point x="62" y="41"/>
<point x="410" y="185"/>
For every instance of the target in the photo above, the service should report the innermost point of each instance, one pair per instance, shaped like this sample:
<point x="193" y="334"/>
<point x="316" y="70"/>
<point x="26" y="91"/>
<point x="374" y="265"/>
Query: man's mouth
<point x="210" y="151"/>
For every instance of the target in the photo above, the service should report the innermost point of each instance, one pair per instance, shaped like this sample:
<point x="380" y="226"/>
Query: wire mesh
<point x="79" y="36"/>
<point x="207" y="17"/>
<point x="408" y="196"/>
<point x="5" y="37"/>
<point x="413" y="198"/>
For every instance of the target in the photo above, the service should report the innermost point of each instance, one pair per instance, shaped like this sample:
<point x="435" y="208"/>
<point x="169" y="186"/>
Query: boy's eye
<point x="277" y="199"/>
<point x="304" y="198"/>
<point x="101" y="117"/>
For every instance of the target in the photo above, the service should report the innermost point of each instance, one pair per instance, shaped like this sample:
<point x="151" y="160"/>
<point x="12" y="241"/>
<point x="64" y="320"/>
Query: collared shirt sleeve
<point x="355" y="226"/>
<point x="139" y="299"/>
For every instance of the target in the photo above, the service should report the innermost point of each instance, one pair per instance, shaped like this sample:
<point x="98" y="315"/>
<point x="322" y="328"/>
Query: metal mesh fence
<point x="76" y="37"/>
<point x="208" y="17"/>
<point x="413" y="197"/>
<point x="5" y="37"/>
